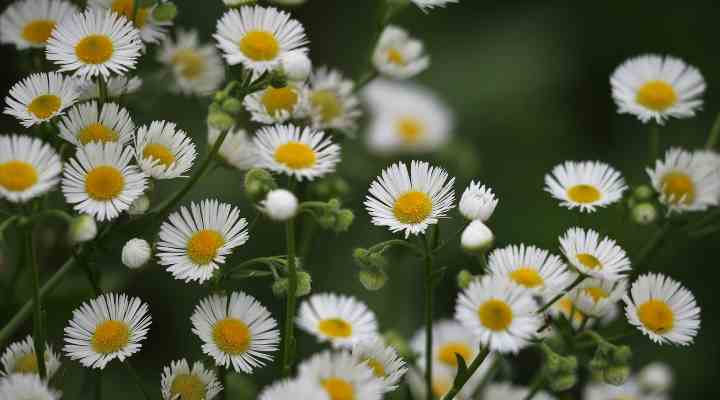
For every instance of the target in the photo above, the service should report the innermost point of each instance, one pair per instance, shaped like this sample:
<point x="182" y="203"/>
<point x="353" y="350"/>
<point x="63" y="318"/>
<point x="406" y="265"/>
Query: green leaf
<point x="462" y="369"/>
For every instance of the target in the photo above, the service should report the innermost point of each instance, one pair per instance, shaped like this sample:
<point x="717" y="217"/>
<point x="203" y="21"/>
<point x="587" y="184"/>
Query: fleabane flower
<point x="589" y="255"/>
<point x="530" y="267"/>
<point x="449" y="338"/>
<point x="237" y="150"/>
<point x="302" y="153"/>
<point x="663" y="310"/>
<point x="443" y="378"/>
<point x="28" y="168"/>
<point x="94" y="43"/>
<point x="342" y="376"/>
<point x="477" y="202"/>
<point x="410" y="199"/>
<point x="101" y="182"/>
<point x="653" y="87"/>
<point x="29" y="23"/>
<point x="385" y="362"/>
<point x="294" y="389"/>
<point x="398" y="55"/>
<point x="331" y="100"/>
<point x="90" y="122"/>
<point x="237" y="331"/>
<point x="426" y="5"/>
<point x="151" y="30"/>
<point x="116" y="86"/>
<point x="163" y="151"/>
<point x="21" y="358"/>
<point x="596" y="298"/>
<point x="40" y="97"/>
<point x="23" y="386"/>
<point x="586" y="185"/>
<point x="338" y="319"/>
<point x="501" y="315"/>
<point x="195" y="240"/>
<point x="197" y="68"/>
<point x="277" y="105"/>
<point x="181" y="382"/>
<point x="110" y="326"/>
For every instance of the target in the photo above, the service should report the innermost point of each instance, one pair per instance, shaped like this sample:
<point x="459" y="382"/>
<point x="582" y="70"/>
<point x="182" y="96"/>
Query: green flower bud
<point x="398" y="342"/>
<point x="621" y="355"/>
<point x="616" y="375"/>
<point x="326" y="221"/>
<point x="377" y="260"/>
<point x="278" y="79"/>
<point x="232" y="106"/>
<point x="340" y="187"/>
<point x="280" y="287"/>
<point x="568" y="364"/>
<point x="553" y="363"/>
<point x="344" y="218"/>
<point x="561" y="383"/>
<point x="598" y="364"/>
<point x="333" y="204"/>
<point x="644" y="213"/>
<point x="304" y="283"/>
<point x="372" y="279"/>
<point x="215" y="106"/>
<point x="643" y="193"/>
<point x="258" y="182"/>
<point x="360" y="256"/>
<point x="220" y="120"/>
<point x="165" y="12"/>
<point x="464" y="278"/>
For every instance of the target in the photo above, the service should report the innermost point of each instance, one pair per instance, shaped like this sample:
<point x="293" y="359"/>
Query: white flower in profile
<point x="398" y="55"/>
<point x="426" y="5"/>
<point x="342" y="377"/>
<point x="276" y="105"/>
<point x="338" y="319"/>
<point x="117" y="86"/>
<point x="601" y="259"/>
<point x="596" y="298"/>
<point x="478" y="202"/>
<point x="40" y="97"/>
<point x="653" y="87"/>
<point x="151" y="30"/>
<point x="181" y="382"/>
<point x="294" y="389"/>
<point x="385" y="362"/>
<point x="443" y="378"/>
<point x="237" y="150"/>
<point x="21" y="358"/>
<point x="530" y="267"/>
<point x="163" y="151"/>
<point x="29" y="168"/>
<point x="90" y="122"/>
<point x="29" y="23"/>
<point x="331" y="100"/>
<point x="585" y="185"/>
<point x="197" y="68"/>
<point x="24" y="386"/>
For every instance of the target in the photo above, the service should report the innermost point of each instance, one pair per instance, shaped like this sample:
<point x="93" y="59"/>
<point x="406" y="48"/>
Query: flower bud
<point x="477" y="202"/>
<point x="621" y="355"/>
<point x="220" y="120"/>
<point x="164" y="12"/>
<point x="643" y="193"/>
<point x="326" y="220"/>
<point x="616" y="374"/>
<point x="656" y="377"/>
<point x="232" y="106"/>
<point x="139" y="206"/>
<point x="477" y="238"/>
<point x="258" y="183"/>
<point x="296" y="66"/>
<point x="464" y="277"/>
<point x="561" y="383"/>
<point x="280" y="205"/>
<point x="304" y="283"/>
<point x="278" y="80"/>
<point x="344" y="219"/>
<point x="136" y="253"/>
<point x="644" y="213"/>
<point x="280" y="287"/>
<point x="373" y="279"/>
<point x="82" y="229"/>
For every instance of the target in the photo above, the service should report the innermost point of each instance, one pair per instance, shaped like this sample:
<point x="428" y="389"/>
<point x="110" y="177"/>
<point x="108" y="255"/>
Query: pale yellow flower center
<point x="204" y="245"/>
<point x="295" y="155"/>
<point x="97" y="132"/>
<point x="446" y="353"/>
<point x="589" y="260"/>
<point x="110" y="336"/>
<point x="495" y="315"/>
<point x="159" y="152"/>
<point x="395" y="57"/>
<point x="657" y="316"/>
<point x="44" y="106"/>
<point x="335" y="327"/>
<point x="584" y="194"/>
<point x="596" y="293"/>
<point x="94" y="49"/>
<point x="339" y="389"/>
<point x="280" y="99"/>
<point x="678" y="187"/>
<point x="412" y="207"/>
<point x="377" y="367"/>
<point x="259" y="46"/>
<point x="232" y="336"/>
<point x="190" y="63"/>
<point x="527" y="276"/>
<point x="410" y="129"/>
<point x="187" y="387"/>
<point x="38" y="31"/>
<point x="657" y="95"/>
<point x="327" y="104"/>
<point x="104" y="183"/>
<point x="125" y="7"/>
<point x="26" y="364"/>
<point x="16" y="176"/>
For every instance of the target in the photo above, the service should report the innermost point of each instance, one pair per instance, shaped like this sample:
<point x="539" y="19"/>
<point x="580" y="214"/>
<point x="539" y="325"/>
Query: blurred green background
<point x="529" y="81"/>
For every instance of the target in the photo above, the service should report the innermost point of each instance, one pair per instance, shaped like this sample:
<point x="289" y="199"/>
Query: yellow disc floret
<point x="678" y="187"/>
<point x="159" y="152"/>
<point x="110" y="336"/>
<point x="190" y="64"/>
<point x="231" y="336"/>
<point x="412" y="207"/>
<point x="94" y="49"/>
<point x="97" y="132"/>
<point x="657" y="316"/>
<point x="584" y="194"/>
<point x="527" y="276"/>
<point x="657" y="95"/>
<point x="259" y="46"/>
<point x="104" y="183"/>
<point x="339" y="389"/>
<point x="280" y="99"/>
<point x="327" y="103"/>
<point x="495" y="315"/>
<point x="17" y="176"/>
<point x="410" y="129"/>
<point x="44" y="106"/>
<point x="295" y="155"/>
<point x="26" y="364"/>
<point x="447" y="352"/>
<point x="38" y="31"/>
<point x="335" y="327"/>
<point x="589" y="260"/>
<point x="204" y="245"/>
<point x="187" y="387"/>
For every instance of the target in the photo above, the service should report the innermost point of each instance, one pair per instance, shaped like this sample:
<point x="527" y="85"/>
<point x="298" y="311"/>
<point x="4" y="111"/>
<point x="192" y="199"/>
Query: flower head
<point x="398" y="55"/>
<point x="585" y="185"/>
<point x="181" y="382"/>
<point x="601" y="259"/>
<point x="163" y="151"/>
<point x="21" y="358"/>
<point x="383" y="359"/>
<point x="40" y="97"/>
<point x="530" y="267"/>
<point x="478" y="202"/>
<point x="28" y="168"/>
<point x="331" y="101"/>
<point x="90" y="122"/>
<point x="29" y="23"/>
<point x="342" y="376"/>
<point x="340" y="320"/>
<point x="197" y="68"/>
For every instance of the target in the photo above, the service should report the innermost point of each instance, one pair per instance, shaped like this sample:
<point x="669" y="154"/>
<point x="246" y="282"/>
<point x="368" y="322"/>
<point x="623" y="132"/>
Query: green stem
<point x="98" y="384"/>
<point x="38" y="328"/>
<point x="397" y="242"/>
<point x="289" y="342"/>
<point x="102" y="89"/>
<point x="89" y="273"/>
<point x="654" y="142"/>
<point x="714" y="134"/>
<point x="650" y="247"/>
<point x="136" y="378"/>
<point x="462" y="380"/>
<point x="483" y="263"/>
<point x="554" y="300"/>
<point x="253" y="261"/>
<point x="536" y="385"/>
<point x="428" y="317"/>
<point x="222" y="377"/>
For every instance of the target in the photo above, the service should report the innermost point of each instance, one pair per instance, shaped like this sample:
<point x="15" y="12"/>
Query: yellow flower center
<point x="446" y="353"/>
<point x="395" y="57"/>
<point x="259" y="46"/>
<point x="97" y="132"/>
<point x="104" y="183"/>
<point x="584" y="194"/>
<point x="527" y="276"/>
<point x="565" y="305"/>
<point x="277" y="100"/>
<point x="495" y="315"/>
<point x="204" y="245"/>
<point x="16" y="176"/>
<point x="125" y="7"/>
<point x="589" y="261"/>
<point x="335" y="327"/>
<point x="231" y="336"/>
<point x="159" y="152"/>
<point x="187" y="387"/>
<point x="339" y="389"/>
<point x="38" y="31"/>
<point x="678" y="187"/>
<point x="657" y="95"/>
<point x="327" y="104"/>
<point x="412" y="207"/>
<point x="190" y="63"/>
<point x="26" y="364"/>
<point x="440" y="387"/>
<point x="295" y="155"/>
<point x="110" y="336"/>
<point x="657" y="316"/>
<point x="596" y="293"/>
<point x="94" y="49"/>
<point x="377" y="367"/>
<point x="410" y="129"/>
<point x="44" y="106"/>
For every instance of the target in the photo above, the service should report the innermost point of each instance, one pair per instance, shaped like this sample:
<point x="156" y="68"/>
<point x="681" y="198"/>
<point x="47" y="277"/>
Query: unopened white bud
<point x="478" y="202"/>
<point x="136" y="253"/>
<point x="656" y="377"/>
<point x="296" y="66"/>
<point x="139" y="206"/>
<point x="82" y="229"/>
<point x="477" y="237"/>
<point x="280" y="205"/>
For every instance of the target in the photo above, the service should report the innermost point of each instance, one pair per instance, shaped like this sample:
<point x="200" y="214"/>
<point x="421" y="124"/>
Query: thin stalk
<point x="554" y="300"/>
<point x="428" y="317"/>
<point x="136" y="378"/>
<point x="289" y="342"/>
<point x="82" y="262"/>
<point x="714" y="134"/>
<point x="98" y="384"/>
<point x="459" y="383"/>
<point x="222" y="377"/>
<point x="650" y="247"/>
<point x="38" y="328"/>
<point x="654" y="142"/>
<point x="102" y="89"/>
<point x="536" y="385"/>
<point x="397" y="242"/>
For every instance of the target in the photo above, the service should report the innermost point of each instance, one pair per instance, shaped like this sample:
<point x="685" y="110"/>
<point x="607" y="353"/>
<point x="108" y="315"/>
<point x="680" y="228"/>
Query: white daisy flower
<point x="99" y="180"/>
<point x="237" y="150"/>
<point x="426" y="5"/>
<point x="259" y="37"/>
<point x="117" y="86"/>
<point x="663" y="310"/>
<point x="449" y="338"/>
<point x="601" y="259"/>
<point x="276" y="105"/>
<point x="236" y="331"/>
<point x="24" y="386"/>
<point x="398" y="55"/>
<point x="40" y="97"/>
<point x="566" y="307"/>
<point x="338" y="319"/>
<point x="28" y="23"/>
<point x="596" y="298"/>
<point x="302" y="153"/>
<point x="197" y="69"/>
<point x="194" y="241"/>
<point x="294" y="389"/>
<point x="656" y="87"/>
<point x="151" y="30"/>
<point x="585" y="185"/>
<point x="442" y="381"/>
<point x="21" y="358"/>
<point x="180" y="382"/>
<point x="411" y="199"/>
<point x="332" y="103"/>
<point x="385" y="362"/>
<point x="686" y="181"/>
<point x="656" y="377"/>
<point x="96" y="42"/>
<point x="86" y="123"/>
<point x="501" y="315"/>
<point x="478" y="202"/>
<point x="162" y="151"/>
<point x="107" y="327"/>
<point x="629" y="390"/>
<point x="506" y="391"/>
<point x="406" y="118"/>
<point x="341" y="376"/>
<point x="28" y="168"/>
<point x="531" y="268"/>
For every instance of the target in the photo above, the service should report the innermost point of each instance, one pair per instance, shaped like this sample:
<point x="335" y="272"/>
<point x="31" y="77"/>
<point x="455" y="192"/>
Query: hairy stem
<point x="102" y="89"/>
<point x="555" y="299"/>
<point x="289" y="339"/>
<point x="38" y="325"/>
<point x="714" y="134"/>
<point x="428" y="317"/>
<point x="462" y="380"/>
<point x="137" y="379"/>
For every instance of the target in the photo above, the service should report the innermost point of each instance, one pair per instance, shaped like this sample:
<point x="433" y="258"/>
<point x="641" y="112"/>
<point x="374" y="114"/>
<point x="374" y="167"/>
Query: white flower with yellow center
<point x="294" y="389"/>
<point x="585" y="185"/>
<point x="302" y="153"/>
<point x="596" y="298"/>
<point x="341" y="376"/>
<point x="686" y="181"/>
<point x="99" y="180"/>
<point x="162" y="151"/>
<point x="406" y="118"/>
<point x="24" y="386"/>
<point x="443" y="378"/>
<point x="28" y="23"/>
<point x="398" y="55"/>
<point x="500" y="314"/>
<point x="385" y="362"/>
<point x="111" y="326"/>
<point x="194" y="241"/>
<point x="198" y="69"/>
<point x="601" y="259"/>
<point x="96" y="42"/>
<point x="477" y="202"/>
<point x="338" y="319"/>
<point x="411" y="199"/>
<point x="656" y="87"/>
<point x="85" y="123"/>
<point x="259" y="37"/>
<point x="331" y="100"/>
<point x="567" y="308"/>
<point x="506" y="391"/>
<point x="656" y="377"/>
<point x="40" y="97"/>
<point x="663" y="310"/>
<point x="531" y="268"/>
<point x="21" y="358"/>
<point x="28" y="168"/>
<point x="116" y="86"/>
<point x="450" y="338"/>
<point x="237" y="150"/>
<point x="277" y="105"/>
<point x="180" y="382"/>
<point x="630" y="390"/>
<point x="236" y="331"/>
<point x="151" y="30"/>
<point x="426" y="5"/>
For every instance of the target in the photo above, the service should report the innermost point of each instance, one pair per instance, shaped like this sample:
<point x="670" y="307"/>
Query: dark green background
<point x="529" y="83"/>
